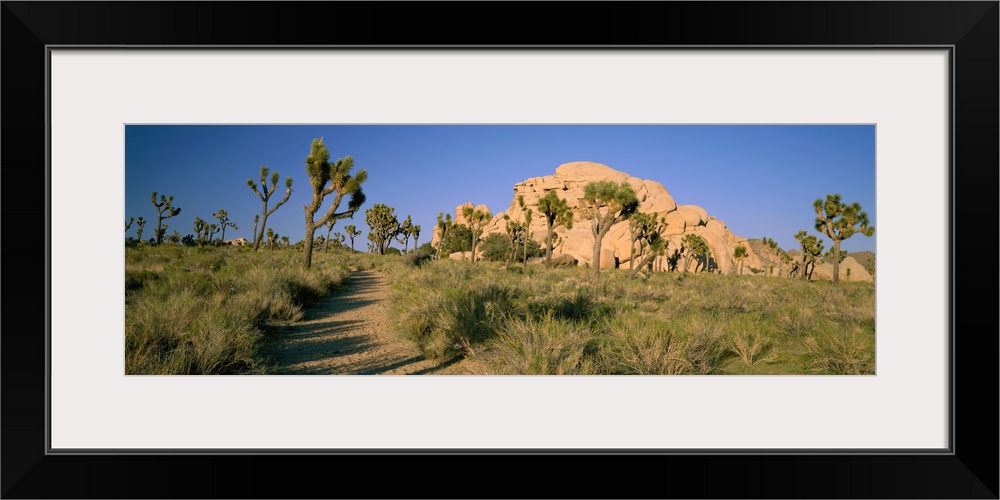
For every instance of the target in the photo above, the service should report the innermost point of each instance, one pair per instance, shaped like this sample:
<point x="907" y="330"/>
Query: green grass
<point x="537" y="320"/>
<point x="204" y="310"/>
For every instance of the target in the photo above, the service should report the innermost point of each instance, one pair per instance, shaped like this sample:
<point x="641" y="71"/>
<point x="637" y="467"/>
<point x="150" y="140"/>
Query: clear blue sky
<point x="760" y="180"/>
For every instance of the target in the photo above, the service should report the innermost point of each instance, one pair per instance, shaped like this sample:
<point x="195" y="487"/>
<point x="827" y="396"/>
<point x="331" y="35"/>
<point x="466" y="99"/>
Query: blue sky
<point x="761" y="180"/>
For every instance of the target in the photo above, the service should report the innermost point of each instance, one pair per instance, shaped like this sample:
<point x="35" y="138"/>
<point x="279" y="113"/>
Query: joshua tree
<point x="352" y="232"/>
<point x="139" y="223"/>
<point x="342" y="183"/>
<point x="515" y="233"/>
<point x="674" y="258"/>
<point x="272" y="238"/>
<point x="174" y="238"/>
<point x="619" y="203"/>
<point x="200" y="229"/>
<point x="640" y="225"/>
<point x="128" y="224"/>
<point x="256" y="219"/>
<point x="223" y="222"/>
<point x="163" y="211"/>
<point x="694" y="246"/>
<point x="416" y="235"/>
<point x="557" y="213"/>
<point x="285" y="241"/>
<point x="405" y="231"/>
<point x="444" y="224"/>
<point x="476" y="220"/>
<point x="648" y="232"/>
<point x="383" y="226"/>
<point x="839" y="221"/>
<point x="812" y="248"/>
<point x="740" y="253"/>
<point x="213" y="229"/>
<point x="338" y="239"/>
<point x="264" y="193"/>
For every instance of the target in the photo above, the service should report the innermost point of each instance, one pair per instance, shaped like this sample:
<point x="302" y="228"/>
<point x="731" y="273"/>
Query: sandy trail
<point x="348" y="333"/>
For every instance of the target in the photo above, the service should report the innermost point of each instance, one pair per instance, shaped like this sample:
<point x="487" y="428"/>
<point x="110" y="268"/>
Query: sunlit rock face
<point x="568" y="182"/>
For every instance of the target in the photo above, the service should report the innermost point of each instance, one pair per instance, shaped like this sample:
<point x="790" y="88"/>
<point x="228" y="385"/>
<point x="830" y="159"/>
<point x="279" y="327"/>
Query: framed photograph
<point x="86" y="84"/>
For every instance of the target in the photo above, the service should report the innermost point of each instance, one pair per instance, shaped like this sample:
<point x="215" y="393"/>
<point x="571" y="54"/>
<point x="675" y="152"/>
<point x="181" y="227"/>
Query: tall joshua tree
<point x="557" y="213"/>
<point x="416" y="235"/>
<point x="264" y="193"/>
<point x="476" y="220"/>
<point x="352" y="232"/>
<point x="444" y="224"/>
<point x="839" y="221"/>
<point x="341" y="183"/>
<point x="618" y="202"/>
<point x="739" y="253"/>
<point x="223" y="222"/>
<point x="163" y="211"/>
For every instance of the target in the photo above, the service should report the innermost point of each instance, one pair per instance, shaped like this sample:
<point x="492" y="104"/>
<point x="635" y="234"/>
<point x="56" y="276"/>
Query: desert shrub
<point x="557" y="320"/>
<point x="136" y="280"/>
<point x="637" y="344"/>
<point x="392" y="251"/>
<point x="418" y="258"/>
<point x="495" y="247"/>
<point x="542" y="346"/>
<point x="458" y="239"/>
<point x="841" y="352"/>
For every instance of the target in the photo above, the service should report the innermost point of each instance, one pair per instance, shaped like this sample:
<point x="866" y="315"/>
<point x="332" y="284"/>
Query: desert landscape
<point x="587" y="270"/>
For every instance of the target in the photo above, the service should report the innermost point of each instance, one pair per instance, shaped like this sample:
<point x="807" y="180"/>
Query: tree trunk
<point x="548" y="247"/>
<point x="644" y="263"/>
<point x="597" y="255"/>
<point x="308" y="254"/>
<point x="836" y="261"/>
<point x="263" y="226"/>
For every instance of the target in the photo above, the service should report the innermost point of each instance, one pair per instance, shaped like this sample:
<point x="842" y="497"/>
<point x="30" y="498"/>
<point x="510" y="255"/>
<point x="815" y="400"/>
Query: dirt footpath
<point x="348" y="333"/>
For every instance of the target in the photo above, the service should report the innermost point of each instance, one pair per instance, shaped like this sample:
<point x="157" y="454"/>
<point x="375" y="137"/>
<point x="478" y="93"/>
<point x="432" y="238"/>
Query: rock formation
<point x="569" y="181"/>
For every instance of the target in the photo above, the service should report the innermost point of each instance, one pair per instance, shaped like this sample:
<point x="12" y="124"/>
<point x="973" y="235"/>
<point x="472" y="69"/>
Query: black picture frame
<point x="969" y="470"/>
